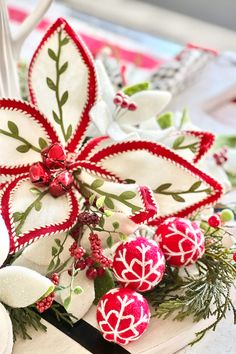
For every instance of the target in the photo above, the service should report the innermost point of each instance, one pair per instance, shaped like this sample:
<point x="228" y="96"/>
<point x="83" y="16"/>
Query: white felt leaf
<point x="62" y="68"/>
<point x="23" y="133"/>
<point x="153" y="165"/>
<point x="6" y="335"/>
<point x="4" y="241"/>
<point x="126" y="227"/>
<point x="106" y="89"/>
<point x="149" y="103"/>
<point x="21" y="287"/>
<point x="101" y="116"/>
<point x="29" y="216"/>
<point x="81" y="303"/>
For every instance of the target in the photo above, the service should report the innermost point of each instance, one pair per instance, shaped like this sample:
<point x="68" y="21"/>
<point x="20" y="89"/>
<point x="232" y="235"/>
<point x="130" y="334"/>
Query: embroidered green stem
<point x="22" y="148"/>
<point x="23" y="216"/>
<point x="192" y="147"/>
<point x="110" y="196"/>
<point x="55" y="86"/>
<point x="56" y="251"/>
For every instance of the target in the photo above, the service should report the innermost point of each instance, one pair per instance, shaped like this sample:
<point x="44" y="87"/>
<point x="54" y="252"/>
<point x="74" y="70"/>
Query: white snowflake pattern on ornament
<point x="181" y="240"/>
<point x="139" y="264"/>
<point x="123" y="315"/>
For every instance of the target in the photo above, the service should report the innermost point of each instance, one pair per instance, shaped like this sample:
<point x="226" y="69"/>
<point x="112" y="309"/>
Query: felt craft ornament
<point x="19" y="287"/>
<point x="123" y="315"/>
<point x="181" y="240"/>
<point x="139" y="264"/>
<point x="137" y="178"/>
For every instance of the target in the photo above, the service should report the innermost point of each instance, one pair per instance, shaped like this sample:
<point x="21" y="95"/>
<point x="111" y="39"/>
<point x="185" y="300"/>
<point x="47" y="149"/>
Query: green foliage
<point x="103" y="285"/>
<point x="165" y="120"/>
<point x="131" y="90"/>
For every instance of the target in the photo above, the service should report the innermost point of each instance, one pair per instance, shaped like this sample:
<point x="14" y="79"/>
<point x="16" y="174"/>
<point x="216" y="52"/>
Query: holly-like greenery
<point x="202" y="294"/>
<point x="54" y="85"/>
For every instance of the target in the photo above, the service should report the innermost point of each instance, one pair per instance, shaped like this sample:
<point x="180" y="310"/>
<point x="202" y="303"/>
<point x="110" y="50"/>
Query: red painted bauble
<point x="54" y="156"/>
<point x="123" y="315"/>
<point x="61" y="184"/>
<point x="39" y="174"/>
<point x="139" y="264"/>
<point x="181" y="240"/>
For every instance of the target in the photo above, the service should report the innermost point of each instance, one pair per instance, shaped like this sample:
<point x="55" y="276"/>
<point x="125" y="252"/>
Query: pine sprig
<point x="23" y="319"/>
<point x="63" y="315"/>
<point x="202" y="295"/>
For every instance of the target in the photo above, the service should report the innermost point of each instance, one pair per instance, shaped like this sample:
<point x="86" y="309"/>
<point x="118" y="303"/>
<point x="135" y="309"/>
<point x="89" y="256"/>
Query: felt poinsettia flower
<point x="19" y="287"/>
<point x="134" y="114"/>
<point x="49" y="170"/>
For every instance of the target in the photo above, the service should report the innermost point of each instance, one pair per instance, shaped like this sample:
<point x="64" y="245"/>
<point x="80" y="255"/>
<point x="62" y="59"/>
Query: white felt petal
<point x="209" y="166"/>
<point x="24" y="125"/>
<point x="40" y="252"/>
<point x="4" y="241"/>
<point x="149" y="103"/>
<point x="116" y="133"/>
<point x="80" y="304"/>
<point x="126" y="226"/>
<point x="21" y="287"/>
<point x="77" y="86"/>
<point x="106" y="89"/>
<point x="230" y="165"/>
<point x="6" y="335"/>
<point x="101" y="116"/>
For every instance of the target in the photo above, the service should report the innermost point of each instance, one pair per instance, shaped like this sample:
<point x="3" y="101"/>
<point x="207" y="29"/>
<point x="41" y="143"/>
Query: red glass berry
<point x="39" y="174"/>
<point x="55" y="278"/>
<point x="234" y="256"/>
<point x="214" y="221"/>
<point x="91" y="273"/>
<point x="61" y="184"/>
<point x="132" y="106"/>
<point x="125" y="103"/>
<point x="45" y="303"/>
<point x="80" y="265"/>
<point x="117" y="100"/>
<point x="54" y="156"/>
<point x="100" y="271"/>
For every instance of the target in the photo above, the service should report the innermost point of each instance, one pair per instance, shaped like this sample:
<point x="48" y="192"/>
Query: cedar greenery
<point x="202" y="295"/>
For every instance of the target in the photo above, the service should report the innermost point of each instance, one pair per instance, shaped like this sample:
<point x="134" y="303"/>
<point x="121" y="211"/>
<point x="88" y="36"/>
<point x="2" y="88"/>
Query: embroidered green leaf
<point x="103" y="284"/>
<point x="178" y="198"/>
<point x="35" y="191"/>
<point x="64" y="41"/>
<point x="58" y="242"/>
<point x="38" y="206"/>
<point x="128" y="195"/>
<point x="54" y="251"/>
<point x="13" y="128"/>
<point x="52" y="54"/>
<point x="64" y="98"/>
<point x="56" y="118"/>
<point x="67" y="302"/>
<point x="97" y="183"/>
<point x="178" y="141"/>
<point x="163" y="187"/>
<point x="109" y="203"/>
<point x="195" y="186"/>
<point x="110" y="241"/>
<point x="165" y="120"/>
<point x="51" y="84"/>
<point x="51" y="265"/>
<point x="123" y="237"/>
<point x="42" y="143"/>
<point x="23" y="148"/>
<point x="68" y="132"/>
<point x="116" y="225"/>
<point x="77" y="290"/>
<point x="100" y="202"/>
<point x="17" y="216"/>
<point x="130" y="181"/>
<point x="131" y="90"/>
<point x="101" y="222"/>
<point x="91" y="199"/>
<point x="63" y="68"/>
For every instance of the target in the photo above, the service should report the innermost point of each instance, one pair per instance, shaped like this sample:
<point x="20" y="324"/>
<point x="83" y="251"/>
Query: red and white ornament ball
<point x="122" y="315"/>
<point x="181" y="240"/>
<point x="139" y="264"/>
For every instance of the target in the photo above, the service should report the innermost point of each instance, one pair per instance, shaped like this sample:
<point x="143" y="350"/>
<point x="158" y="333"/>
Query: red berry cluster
<point x="97" y="251"/>
<point x="45" y="303"/>
<point x="55" y="278"/>
<point x="124" y="101"/>
<point x="214" y="221"/>
<point x="87" y="218"/>
<point x="52" y="171"/>
<point x="221" y="156"/>
<point x="76" y="251"/>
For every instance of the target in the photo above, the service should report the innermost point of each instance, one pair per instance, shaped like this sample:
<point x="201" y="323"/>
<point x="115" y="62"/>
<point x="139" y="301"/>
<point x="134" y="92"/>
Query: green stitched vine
<point x="176" y="195"/>
<point x="26" y="146"/>
<point x="55" y="86"/>
<point x="20" y="217"/>
<point x="177" y="145"/>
